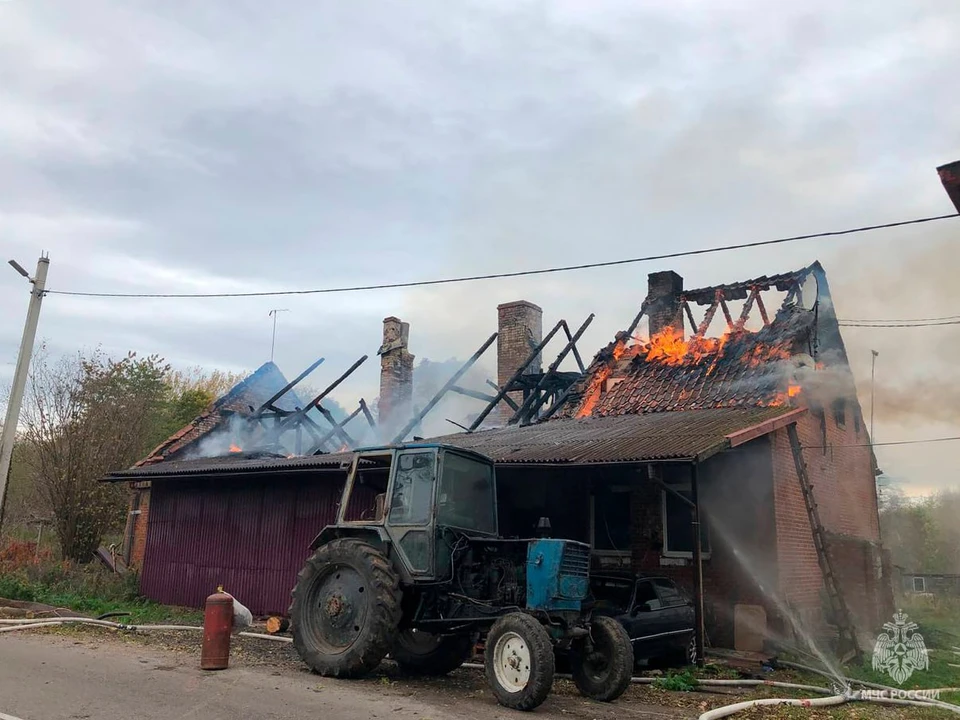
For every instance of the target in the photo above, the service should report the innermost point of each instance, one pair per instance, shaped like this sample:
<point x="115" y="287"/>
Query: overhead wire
<point x="518" y="273"/>
<point x="901" y="320"/>
<point x="892" y="442"/>
<point x="898" y="325"/>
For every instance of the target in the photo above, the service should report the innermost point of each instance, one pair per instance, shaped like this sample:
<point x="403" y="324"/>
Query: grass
<point x="677" y="680"/>
<point x="939" y="623"/>
<point x="88" y="589"/>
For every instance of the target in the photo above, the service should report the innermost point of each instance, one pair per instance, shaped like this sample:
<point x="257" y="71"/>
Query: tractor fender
<point x="373" y="534"/>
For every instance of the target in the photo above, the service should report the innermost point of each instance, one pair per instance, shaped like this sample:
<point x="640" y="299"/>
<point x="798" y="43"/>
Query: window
<point x="919" y="584"/>
<point x="466" y="498"/>
<point x="611" y="519"/>
<point x="677" y="524"/>
<point x="612" y="592"/>
<point x="413" y="482"/>
<point x="840" y="412"/>
<point x="670" y="596"/>
<point x="647" y="598"/>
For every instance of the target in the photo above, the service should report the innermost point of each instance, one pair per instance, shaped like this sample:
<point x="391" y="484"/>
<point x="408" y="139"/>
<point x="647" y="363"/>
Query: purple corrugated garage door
<point x="252" y="538"/>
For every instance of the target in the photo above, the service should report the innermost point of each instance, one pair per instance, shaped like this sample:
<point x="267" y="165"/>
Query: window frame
<point x="626" y="489"/>
<point x="923" y="584"/>
<point x="705" y="552"/>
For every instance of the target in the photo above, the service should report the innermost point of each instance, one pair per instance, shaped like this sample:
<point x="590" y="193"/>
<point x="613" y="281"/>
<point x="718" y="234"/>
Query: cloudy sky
<point x="233" y="146"/>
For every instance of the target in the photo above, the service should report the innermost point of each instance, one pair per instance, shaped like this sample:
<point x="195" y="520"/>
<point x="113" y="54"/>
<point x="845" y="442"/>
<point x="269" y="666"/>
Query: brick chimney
<point x="520" y="324"/>
<point x="950" y="177"/>
<point x="396" y="374"/>
<point x="663" y="301"/>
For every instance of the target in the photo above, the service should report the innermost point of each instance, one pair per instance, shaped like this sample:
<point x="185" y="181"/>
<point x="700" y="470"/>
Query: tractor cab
<point x="414" y="494"/>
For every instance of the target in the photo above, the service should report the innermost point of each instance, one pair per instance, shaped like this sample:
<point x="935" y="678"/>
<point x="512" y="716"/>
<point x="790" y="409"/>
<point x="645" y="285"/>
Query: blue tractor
<point x="415" y="568"/>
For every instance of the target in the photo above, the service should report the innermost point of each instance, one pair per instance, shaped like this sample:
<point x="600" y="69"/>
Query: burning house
<point x="759" y="424"/>
<point x="752" y="433"/>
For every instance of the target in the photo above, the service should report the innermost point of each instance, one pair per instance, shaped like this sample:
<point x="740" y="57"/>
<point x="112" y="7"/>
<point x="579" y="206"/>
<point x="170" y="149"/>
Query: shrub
<point x="682" y="681"/>
<point x="17" y="554"/>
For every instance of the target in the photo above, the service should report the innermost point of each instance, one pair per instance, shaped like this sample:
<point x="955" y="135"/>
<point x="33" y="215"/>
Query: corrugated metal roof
<point x="688" y="434"/>
<point x="230" y="464"/>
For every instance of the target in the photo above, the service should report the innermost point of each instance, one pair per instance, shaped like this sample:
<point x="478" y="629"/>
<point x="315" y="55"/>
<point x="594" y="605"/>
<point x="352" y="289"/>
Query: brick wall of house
<point x="840" y="467"/>
<point x="520" y="327"/>
<point x="736" y="502"/>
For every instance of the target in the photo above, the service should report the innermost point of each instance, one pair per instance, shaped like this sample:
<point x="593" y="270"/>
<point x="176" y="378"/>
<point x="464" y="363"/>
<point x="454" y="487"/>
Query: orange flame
<point x="234" y="448"/>
<point x="668" y="347"/>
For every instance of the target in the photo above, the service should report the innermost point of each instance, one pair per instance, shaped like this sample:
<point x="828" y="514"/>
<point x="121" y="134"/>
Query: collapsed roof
<point x="674" y="371"/>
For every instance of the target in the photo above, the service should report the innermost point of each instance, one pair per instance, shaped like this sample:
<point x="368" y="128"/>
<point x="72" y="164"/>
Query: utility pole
<point x="273" y="341"/>
<point x="873" y="388"/>
<point x="9" y="433"/>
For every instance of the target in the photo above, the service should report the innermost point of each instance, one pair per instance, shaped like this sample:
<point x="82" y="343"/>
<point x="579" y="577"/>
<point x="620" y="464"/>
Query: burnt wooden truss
<point x="309" y="437"/>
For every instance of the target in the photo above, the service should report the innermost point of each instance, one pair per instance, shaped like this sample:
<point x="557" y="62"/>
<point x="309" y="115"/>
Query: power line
<point x="902" y="320"/>
<point x="899" y="325"/>
<point x="519" y="273"/>
<point x="894" y="442"/>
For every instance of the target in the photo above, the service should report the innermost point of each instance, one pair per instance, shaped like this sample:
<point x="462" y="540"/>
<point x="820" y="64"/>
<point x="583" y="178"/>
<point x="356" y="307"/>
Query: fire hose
<point x="833" y="698"/>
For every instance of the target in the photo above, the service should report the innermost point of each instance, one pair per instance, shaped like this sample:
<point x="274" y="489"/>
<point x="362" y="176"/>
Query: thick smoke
<point x="429" y="376"/>
<point x="916" y="377"/>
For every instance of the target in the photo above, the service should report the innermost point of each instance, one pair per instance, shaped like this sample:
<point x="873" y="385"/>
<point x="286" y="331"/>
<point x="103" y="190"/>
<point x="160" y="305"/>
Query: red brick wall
<point x="736" y="501"/>
<point x="845" y="491"/>
<point x="519" y="324"/>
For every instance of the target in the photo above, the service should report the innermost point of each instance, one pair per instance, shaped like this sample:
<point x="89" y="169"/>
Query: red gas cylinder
<point x="217" y="625"/>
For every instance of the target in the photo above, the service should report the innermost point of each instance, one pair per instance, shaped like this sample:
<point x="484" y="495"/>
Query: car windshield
<point x="612" y="592"/>
<point x="467" y="498"/>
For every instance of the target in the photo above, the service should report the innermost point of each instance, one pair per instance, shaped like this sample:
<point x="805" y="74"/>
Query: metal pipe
<point x="698" y="563"/>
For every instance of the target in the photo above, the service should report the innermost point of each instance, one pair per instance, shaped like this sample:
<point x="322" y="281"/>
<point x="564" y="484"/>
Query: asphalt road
<point x="44" y="677"/>
<point x="105" y="676"/>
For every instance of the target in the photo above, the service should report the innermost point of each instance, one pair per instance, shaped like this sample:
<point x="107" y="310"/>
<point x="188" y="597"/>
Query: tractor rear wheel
<point x="603" y="665"/>
<point x="423" y="653"/>
<point x="519" y="662"/>
<point x="346" y="609"/>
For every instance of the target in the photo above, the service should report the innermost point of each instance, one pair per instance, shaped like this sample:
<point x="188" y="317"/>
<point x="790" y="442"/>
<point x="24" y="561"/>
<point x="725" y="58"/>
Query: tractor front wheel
<point x="423" y="653"/>
<point x="603" y="664"/>
<point x="519" y="662"/>
<point x="346" y="609"/>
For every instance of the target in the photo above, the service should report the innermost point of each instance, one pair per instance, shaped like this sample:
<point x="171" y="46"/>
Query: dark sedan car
<point x="658" y="617"/>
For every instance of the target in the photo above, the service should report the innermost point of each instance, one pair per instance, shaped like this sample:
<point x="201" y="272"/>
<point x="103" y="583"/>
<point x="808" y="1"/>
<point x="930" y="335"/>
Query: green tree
<point x="86" y="415"/>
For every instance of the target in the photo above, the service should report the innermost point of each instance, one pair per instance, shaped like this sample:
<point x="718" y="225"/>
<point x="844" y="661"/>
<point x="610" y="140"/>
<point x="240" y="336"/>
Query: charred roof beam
<point x="747" y="307"/>
<point x="268" y="405"/>
<point x="535" y="400"/>
<point x="415" y="420"/>
<point x="507" y="386"/>
<point x="506" y="398"/>
<point x="323" y="441"/>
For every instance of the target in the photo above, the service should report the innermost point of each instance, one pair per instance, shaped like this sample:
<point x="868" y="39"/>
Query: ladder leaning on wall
<point x="848" y="635"/>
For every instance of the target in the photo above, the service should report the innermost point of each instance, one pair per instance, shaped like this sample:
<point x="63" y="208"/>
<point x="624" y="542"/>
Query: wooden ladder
<point x="848" y="635"/>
